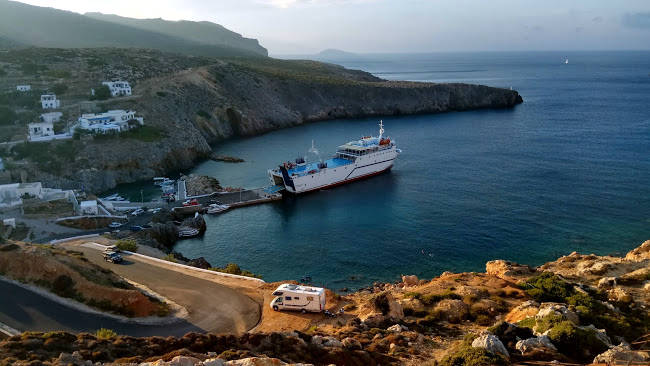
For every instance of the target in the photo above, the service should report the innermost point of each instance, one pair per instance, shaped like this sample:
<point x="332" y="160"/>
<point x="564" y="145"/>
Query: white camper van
<point x="300" y="298"/>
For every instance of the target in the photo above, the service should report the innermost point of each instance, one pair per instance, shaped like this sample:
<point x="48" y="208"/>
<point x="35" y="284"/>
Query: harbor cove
<point x="324" y="182"/>
<point x="566" y="170"/>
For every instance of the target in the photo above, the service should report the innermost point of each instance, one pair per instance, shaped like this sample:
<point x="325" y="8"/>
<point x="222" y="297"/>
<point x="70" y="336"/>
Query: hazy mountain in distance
<point x="200" y="32"/>
<point x="48" y="27"/>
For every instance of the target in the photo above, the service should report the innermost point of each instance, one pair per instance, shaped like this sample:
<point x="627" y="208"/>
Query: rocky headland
<point x="579" y="309"/>
<point x="189" y="104"/>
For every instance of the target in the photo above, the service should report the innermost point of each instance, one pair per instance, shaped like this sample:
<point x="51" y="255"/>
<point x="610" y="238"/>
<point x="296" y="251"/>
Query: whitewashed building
<point x="49" y="101"/>
<point x="88" y="208"/>
<point x="40" y="129"/>
<point x="111" y="121"/>
<point x="118" y="88"/>
<point x="23" y="88"/>
<point x="51" y="117"/>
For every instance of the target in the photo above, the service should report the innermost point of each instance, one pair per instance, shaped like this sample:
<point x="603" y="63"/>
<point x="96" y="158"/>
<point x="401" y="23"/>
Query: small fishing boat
<point x="163" y="181"/>
<point x="113" y="197"/>
<point x="188" y="233"/>
<point x="216" y="208"/>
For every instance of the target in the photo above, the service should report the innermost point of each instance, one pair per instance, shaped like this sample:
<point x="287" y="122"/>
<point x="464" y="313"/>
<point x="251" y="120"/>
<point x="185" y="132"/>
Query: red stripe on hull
<point x="344" y="181"/>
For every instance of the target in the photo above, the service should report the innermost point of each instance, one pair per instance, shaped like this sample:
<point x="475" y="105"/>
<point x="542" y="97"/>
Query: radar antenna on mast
<point x="381" y="129"/>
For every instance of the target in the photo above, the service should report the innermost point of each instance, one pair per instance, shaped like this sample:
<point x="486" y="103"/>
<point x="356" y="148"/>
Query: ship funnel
<point x="381" y="129"/>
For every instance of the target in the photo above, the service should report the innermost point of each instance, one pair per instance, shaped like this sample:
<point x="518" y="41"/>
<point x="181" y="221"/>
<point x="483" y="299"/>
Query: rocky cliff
<point x="188" y="109"/>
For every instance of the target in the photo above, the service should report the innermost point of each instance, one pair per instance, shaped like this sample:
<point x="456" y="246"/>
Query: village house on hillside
<point x="118" y="88"/>
<point x="51" y="117"/>
<point x="49" y="101"/>
<point x="23" y="88"/>
<point x="111" y="121"/>
<point x="39" y="130"/>
<point x="44" y="130"/>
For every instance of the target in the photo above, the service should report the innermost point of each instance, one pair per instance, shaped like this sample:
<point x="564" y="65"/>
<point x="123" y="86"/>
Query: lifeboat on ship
<point x="384" y="141"/>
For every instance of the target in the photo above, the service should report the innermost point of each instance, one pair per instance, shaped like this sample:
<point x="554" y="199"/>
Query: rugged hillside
<point x="580" y="309"/>
<point x="200" y="32"/>
<point x="50" y="27"/>
<point x="190" y="103"/>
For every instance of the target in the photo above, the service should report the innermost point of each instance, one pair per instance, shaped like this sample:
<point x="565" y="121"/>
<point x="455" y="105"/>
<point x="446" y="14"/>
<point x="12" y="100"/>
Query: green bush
<point x="170" y="258"/>
<point x="204" y="114"/>
<point x="431" y="299"/>
<point x="127" y="245"/>
<point x="527" y="323"/>
<point x="233" y="268"/>
<point x="63" y="286"/>
<point x="580" y="344"/>
<point x="59" y="89"/>
<point x="547" y="287"/>
<point x="7" y="116"/>
<point x="102" y="92"/>
<point x="466" y="355"/>
<point x="548" y="322"/>
<point x="104" y="333"/>
<point x="161" y="94"/>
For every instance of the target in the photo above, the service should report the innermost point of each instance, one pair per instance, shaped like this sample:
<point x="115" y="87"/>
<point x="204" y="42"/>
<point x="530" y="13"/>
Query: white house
<point x="51" y="117"/>
<point x="40" y="129"/>
<point x="23" y="88"/>
<point x="49" y="101"/>
<point x="111" y="121"/>
<point x="88" y="207"/>
<point x="9" y="222"/>
<point x="118" y="88"/>
<point x="11" y="194"/>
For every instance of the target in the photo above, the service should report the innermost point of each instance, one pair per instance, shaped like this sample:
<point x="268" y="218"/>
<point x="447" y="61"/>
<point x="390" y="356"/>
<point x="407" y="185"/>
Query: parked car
<point x="136" y="228"/>
<point x="137" y="212"/>
<point x="156" y="210"/>
<point x="146" y="226"/>
<point x="113" y="257"/>
<point x="111" y="249"/>
<point x="114" y="225"/>
<point x="192" y="202"/>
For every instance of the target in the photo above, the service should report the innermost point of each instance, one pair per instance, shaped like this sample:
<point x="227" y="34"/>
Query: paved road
<point x="212" y="307"/>
<point x="26" y="310"/>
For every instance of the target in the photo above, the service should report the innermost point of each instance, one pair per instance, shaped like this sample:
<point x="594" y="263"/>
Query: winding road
<point x="211" y="306"/>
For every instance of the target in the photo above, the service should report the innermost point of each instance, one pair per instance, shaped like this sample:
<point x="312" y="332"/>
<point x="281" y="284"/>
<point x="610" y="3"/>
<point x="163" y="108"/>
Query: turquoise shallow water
<point x="567" y="170"/>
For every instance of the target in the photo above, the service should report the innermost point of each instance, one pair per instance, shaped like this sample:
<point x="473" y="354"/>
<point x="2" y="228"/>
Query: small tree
<point x="127" y="244"/>
<point x="104" y="333"/>
<point x="59" y="89"/>
<point x="101" y="93"/>
<point x="7" y="116"/>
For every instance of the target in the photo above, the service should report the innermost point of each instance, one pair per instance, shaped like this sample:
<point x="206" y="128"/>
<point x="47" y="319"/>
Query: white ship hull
<point x="362" y="167"/>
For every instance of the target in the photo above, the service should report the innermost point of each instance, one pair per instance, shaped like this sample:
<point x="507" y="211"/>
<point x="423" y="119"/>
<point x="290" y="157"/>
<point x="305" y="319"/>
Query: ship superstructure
<point x="353" y="161"/>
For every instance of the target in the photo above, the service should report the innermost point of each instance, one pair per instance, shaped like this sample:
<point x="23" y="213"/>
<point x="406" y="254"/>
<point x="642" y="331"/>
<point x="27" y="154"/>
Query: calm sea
<point x="567" y="170"/>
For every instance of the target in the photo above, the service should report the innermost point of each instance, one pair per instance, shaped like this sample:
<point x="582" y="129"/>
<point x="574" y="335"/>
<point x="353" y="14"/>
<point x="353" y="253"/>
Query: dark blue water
<point x="567" y="170"/>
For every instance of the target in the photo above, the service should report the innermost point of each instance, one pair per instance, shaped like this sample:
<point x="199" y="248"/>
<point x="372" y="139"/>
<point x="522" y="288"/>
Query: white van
<point x="301" y="298"/>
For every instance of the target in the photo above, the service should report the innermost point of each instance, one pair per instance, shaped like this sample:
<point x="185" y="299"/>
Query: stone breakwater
<point x="195" y="109"/>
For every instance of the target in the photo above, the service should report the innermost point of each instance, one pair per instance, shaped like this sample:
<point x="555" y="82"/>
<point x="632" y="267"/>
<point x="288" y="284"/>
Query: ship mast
<point x="381" y="129"/>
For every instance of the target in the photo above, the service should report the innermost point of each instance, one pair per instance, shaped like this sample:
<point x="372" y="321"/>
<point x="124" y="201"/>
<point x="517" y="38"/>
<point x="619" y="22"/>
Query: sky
<point x="391" y="26"/>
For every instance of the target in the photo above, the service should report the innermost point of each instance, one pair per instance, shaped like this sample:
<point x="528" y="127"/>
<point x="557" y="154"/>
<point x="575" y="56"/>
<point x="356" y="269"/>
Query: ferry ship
<point x="353" y="161"/>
